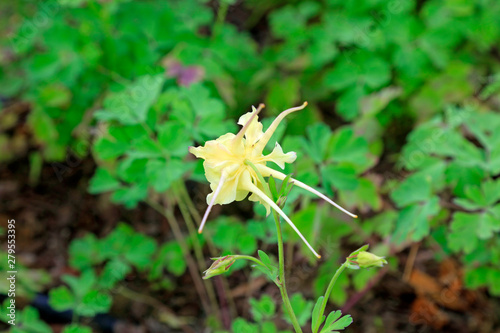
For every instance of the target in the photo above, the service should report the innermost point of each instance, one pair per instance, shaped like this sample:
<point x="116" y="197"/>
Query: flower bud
<point x="219" y="266"/>
<point x="366" y="260"/>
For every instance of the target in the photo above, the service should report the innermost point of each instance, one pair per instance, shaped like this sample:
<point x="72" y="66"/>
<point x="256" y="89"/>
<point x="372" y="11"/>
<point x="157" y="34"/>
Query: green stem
<point x="192" y="267"/>
<point x="282" y="283"/>
<point x="189" y="202"/>
<point x="198" y="251"/>
<point x="255" y="260"/>
<point x="195" y="216"/>
<point x="281" y="257"/>
<point x="327" y="294"/>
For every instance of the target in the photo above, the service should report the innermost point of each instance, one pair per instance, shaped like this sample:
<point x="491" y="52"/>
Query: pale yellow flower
<point x="231" y="177"/>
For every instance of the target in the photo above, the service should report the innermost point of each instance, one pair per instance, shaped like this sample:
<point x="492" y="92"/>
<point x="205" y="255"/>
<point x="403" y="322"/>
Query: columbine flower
<point x="230" y="161"/>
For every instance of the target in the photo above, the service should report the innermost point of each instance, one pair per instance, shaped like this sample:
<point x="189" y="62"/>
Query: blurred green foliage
<point x="134" y="84"/>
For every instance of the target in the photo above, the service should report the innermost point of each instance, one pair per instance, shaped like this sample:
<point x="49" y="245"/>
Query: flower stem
<point x="327" y="294"/>
<point x="198" y="251"/>
<point x="193" y="215"/>
<point x="255" y="260"/>
<point x="282" y="283"/>
<point x="167" y="213"/>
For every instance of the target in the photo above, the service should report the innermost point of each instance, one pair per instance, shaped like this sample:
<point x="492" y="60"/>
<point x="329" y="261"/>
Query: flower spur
<point x="232" y="162"/>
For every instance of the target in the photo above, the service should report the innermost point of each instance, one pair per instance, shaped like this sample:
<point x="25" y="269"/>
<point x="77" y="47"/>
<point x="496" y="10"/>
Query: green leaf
<point x="145" y="147"/>
<point x="339" y="177"/>
<point x="46" y="133"/>
<point x="130" y="196"/>
<point x="272" y="188"/>
<point x="318" y="136"/>
<point x="139" y="250"/>
<point x="346" y="147"/>
<point x="413" y="220"/>
<point x="247" y="244"/>
<point x="483" y="196"/>
<point x="114" y="271"/>
<point x="316" y="319"/>
<point x="103" y="181"/>
<point x="286" y="186"/>
<point x="363" y="196"/>
<point x="262" y="309"/>
<point x="271" y="271"/>
<point x="161" y="174"/>
<point x="61" y="299"/>
<point x="131" y="169"/>
<point x="413" y="189"/>
<point x="289" y="21"/>
<point x="29" y="321"/>
<point x="174" y="258"/>
<point x="332" y="317"/>
<point x="468" y="229"/>
<point x="115" y="243"/>
<point x="459" y="176"/>
<point x="333" y="323"/>
<point x="84" y="252"/>
<point x="241" y="325"/>
<point x="208" y="112"/>
<point x="130" y="106"/>
<point x="82" y="284"/>
<point x="174" y="138"/>
<point x="265" y="258"/>
<point x="381" y="224"/>
<point x="75" y="328"/>
<point x="94" y="302"/>
<point x="107" y="148"/>
<point x="348" y="105"/>
<point x="362" y="68"/>
<point x="269" y="327"/>
<point x="169" y="257"/>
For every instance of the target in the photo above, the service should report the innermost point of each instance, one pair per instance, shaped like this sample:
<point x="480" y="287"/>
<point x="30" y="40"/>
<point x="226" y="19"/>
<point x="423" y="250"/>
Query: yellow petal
<point x="266" y="172"/>
<point x="231" y="189"/>
<point x="252" y="188"/>
<point x="254" y="197"/>
<point x="254" y="130"/>
<point x="279" y="157"/>
<point x="269" y="132"/>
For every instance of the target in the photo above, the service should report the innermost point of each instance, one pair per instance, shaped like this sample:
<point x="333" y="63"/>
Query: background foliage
<point x="401" y="127"/>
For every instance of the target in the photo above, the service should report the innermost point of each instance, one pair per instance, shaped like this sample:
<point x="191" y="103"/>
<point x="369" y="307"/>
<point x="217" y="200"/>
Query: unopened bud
<point x="219" y="266"/>
<point x="366" y="260"/>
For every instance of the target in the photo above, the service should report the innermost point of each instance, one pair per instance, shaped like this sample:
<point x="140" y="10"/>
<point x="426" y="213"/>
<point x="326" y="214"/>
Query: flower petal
<point x="213" y="198"/>
<point x="266" y="172"/>
<point x="279" y="157"/>
<point x="269" y="132"/>
<point x="255" y="198"/>
<point x="254" y="129"/>
<point x="231" y="190"/>
<point x="252" y="188"/>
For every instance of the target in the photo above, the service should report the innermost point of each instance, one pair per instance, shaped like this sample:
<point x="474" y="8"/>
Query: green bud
<point x="219" y="266"/>
<point x="366" y="260"/>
